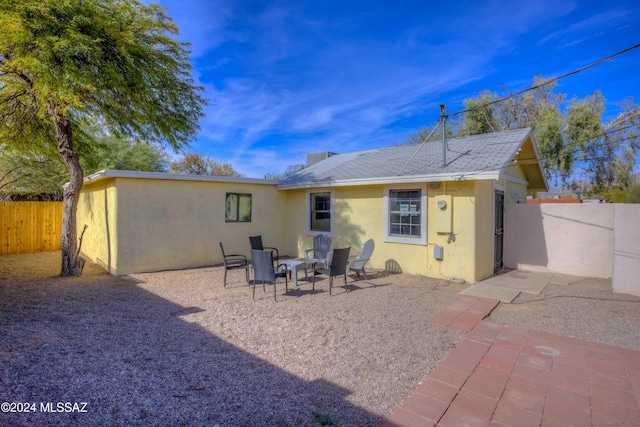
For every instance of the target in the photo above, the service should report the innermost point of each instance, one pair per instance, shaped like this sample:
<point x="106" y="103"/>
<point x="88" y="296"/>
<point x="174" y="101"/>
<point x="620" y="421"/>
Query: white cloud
<point x="591" y="27"/>
<point x="284" y="80"/>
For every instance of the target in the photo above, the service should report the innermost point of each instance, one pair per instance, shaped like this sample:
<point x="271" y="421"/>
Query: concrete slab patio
<point x="506" y="287"/>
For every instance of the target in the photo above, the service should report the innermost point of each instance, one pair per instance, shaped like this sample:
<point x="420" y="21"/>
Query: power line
<point x="443" y="116"/>
<point x="554" y="79"/>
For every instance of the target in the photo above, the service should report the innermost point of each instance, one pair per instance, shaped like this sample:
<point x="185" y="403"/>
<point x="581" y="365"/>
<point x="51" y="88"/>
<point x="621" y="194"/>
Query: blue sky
<point x="285" y="78"/>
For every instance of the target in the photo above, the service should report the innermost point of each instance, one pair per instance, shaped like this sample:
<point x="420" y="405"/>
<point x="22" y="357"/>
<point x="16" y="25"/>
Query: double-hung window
<point x="319" y="212"/>
<point x="405" y="214"/>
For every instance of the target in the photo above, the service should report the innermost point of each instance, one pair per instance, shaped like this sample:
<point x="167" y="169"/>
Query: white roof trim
<point x="515" y="179"/>
<point x="535" y="150"/>
<point x="473" y="175"/>
<point x="104" y="174"/>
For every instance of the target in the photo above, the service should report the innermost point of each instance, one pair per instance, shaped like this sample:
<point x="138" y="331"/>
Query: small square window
<point x="237" y="207"/>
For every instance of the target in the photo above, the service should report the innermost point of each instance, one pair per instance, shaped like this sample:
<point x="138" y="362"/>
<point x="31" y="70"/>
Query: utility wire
<point x="424" y="141"/>
<point x="443" y="116"/>
<point x="554" y="79"/>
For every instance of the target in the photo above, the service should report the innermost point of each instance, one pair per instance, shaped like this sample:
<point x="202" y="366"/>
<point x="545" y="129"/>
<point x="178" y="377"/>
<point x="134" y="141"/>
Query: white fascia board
<point x="103" y="174"/>
<point x="513" y="156"/>
<point x="472" y="175"/>
<point x="535" y="150"/>
<point x="514" y="179"/>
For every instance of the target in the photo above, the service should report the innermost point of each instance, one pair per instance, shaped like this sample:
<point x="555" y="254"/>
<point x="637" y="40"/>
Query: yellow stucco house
<point x="432" y="210"/>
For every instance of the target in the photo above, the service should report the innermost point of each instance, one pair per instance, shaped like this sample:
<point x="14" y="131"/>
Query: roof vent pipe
<point x="443" y="119"/>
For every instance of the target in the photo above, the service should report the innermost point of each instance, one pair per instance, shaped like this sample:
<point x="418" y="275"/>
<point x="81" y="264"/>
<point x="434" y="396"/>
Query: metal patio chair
<point x="339" y="266"/>
<point x="234" y="262"/>
<point x="256" y="243"/>
<point x="263" y="271"/>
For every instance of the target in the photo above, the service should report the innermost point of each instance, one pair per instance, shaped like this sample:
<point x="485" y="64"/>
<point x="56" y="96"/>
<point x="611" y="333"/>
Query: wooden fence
<point x="30" y="227"/>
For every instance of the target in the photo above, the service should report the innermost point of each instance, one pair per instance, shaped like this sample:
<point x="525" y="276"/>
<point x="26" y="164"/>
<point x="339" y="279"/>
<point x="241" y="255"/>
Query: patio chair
<point x="256" y="243"/>
<point x="339" y="266"/>
<point x="320" y="252"/>
<point x="357" y="264"/>
<point x="263" y="271"/>
<point x="234" y="262"/>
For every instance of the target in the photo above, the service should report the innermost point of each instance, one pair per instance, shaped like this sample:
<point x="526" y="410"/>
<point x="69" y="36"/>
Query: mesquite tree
<point x="113" y="63"/>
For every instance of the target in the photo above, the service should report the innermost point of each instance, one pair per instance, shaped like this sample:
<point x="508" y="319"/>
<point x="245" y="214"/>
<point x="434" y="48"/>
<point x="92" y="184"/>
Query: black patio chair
<point x="264" y="271"/>
<point x="256" y="243"/>
<point x="234" y="262"/>
<point x="338" y="266"/>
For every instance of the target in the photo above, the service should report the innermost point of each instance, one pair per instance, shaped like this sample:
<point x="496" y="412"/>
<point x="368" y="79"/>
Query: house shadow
<point x="132" y="358"/>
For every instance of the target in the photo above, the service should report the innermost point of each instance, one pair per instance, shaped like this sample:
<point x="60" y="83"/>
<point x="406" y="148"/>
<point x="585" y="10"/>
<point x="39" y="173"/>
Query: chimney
<point x="313" y="158"/>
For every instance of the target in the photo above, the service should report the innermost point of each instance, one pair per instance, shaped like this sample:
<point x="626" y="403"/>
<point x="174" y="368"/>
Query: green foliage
<point x="84" y="59"/>
<point x="548" y="135"/>
<point x="113" y="62"/>
<point x="571" y="138"/>
<point x="481" y="117"/>
<point x="201" y="164"/>
<point x="423" y="133"/>
<point x="111" y="152"/>
<point x="633" y="194"/>
<point x="32" y="176"/>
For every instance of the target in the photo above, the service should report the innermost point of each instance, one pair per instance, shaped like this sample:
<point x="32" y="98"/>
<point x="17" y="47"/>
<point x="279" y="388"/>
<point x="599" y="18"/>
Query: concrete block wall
<point x="588" y="240"/>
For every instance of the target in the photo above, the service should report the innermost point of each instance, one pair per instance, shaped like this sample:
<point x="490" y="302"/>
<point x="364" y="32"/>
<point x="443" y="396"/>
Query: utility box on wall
<point x="444" y="214"/>
<point x="438" y="252"/>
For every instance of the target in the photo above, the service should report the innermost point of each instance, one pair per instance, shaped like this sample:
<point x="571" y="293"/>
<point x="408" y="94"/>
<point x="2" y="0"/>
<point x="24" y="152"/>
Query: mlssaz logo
<point x="63" y="407"/>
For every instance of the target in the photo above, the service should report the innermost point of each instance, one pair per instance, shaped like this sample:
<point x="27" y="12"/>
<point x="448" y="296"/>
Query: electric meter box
<point x="444" y="214"/>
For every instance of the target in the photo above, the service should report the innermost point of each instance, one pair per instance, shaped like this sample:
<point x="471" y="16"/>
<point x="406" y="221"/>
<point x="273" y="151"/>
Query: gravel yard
<point x="175" y="348"/>
<point x="586" y="309"/>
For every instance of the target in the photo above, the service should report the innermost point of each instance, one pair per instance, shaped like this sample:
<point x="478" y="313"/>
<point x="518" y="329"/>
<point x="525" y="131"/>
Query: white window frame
<point x="387" y="237"/>
<point x="331" y="192"/>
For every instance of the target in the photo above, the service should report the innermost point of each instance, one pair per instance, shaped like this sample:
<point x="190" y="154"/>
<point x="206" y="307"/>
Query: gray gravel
<point x="586" y="309"/>
<point x="175" y="348"/>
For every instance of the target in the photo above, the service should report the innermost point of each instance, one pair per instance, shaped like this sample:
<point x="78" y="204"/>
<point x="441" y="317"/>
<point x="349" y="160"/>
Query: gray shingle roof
<point x="474" y="156"/>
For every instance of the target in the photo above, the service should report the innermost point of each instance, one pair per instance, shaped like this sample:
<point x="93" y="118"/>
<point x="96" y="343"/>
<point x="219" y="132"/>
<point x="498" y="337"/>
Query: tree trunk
<point x="72" y="264"/>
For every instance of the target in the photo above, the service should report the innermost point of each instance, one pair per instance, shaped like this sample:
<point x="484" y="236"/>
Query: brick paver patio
<point x="505" y="376"/>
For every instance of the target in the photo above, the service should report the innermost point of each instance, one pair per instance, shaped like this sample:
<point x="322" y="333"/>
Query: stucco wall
<point x="359" y="216"/>
<point x="484" y="204"/>
<point x="626" y="256"/>
<point x="460" y="248"/>
<point x="141" y="225"/>
<point x="572" y="239"/>
<point x="589" y="240"/>
<point x="97" y="210"/>
<point x="171" y="224"/>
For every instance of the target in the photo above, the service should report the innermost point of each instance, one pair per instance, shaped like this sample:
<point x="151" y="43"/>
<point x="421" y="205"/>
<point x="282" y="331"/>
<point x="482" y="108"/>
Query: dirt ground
<point x="177" y="348"/>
